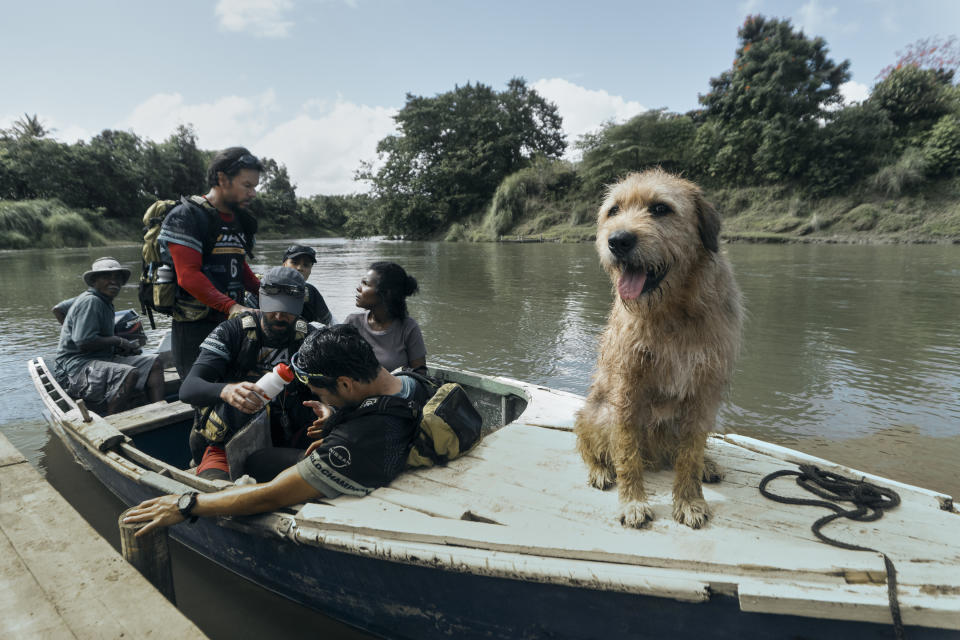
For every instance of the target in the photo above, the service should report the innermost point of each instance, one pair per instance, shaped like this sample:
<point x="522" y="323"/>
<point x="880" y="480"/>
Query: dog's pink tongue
<point x="630" y="284"/>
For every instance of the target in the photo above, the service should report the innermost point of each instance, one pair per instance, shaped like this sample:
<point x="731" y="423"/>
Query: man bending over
<point x="360" y="447"/>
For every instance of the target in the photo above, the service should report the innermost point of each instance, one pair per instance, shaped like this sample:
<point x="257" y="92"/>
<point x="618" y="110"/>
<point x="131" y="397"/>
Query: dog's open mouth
<point x="636" y="281"/>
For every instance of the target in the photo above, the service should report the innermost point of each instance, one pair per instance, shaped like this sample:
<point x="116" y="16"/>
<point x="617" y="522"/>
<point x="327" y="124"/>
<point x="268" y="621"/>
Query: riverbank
<point x="926" y="214"/>
<point x="768" y="214"/>
<point x="50" y="224"/>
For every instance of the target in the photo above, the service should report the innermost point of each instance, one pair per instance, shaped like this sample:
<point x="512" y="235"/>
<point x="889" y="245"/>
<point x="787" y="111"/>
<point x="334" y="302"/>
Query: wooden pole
<point x="149" y="554"/>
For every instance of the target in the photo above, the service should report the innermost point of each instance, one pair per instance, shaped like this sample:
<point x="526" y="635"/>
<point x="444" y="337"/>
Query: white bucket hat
<point x="105" y="265"/>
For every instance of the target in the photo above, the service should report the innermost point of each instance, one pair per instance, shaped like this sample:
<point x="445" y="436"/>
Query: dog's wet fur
<point x="667" y="354"/>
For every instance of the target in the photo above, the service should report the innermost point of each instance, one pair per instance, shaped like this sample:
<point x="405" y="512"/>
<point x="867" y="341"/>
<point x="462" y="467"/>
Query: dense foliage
<point x="453" y="150"/>
<point x="475" y="163"/>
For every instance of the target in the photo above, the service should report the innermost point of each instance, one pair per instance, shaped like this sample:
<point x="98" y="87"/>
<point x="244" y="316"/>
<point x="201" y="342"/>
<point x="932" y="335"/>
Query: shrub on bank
<point x="46" y="223"/>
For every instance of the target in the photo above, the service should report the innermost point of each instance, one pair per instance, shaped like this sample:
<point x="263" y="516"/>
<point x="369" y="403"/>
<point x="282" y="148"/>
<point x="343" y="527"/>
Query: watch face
<point x="185" y="502"/>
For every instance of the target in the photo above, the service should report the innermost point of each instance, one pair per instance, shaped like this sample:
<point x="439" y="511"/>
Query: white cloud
<point x="814" y="19"/>
<point x="260" y="18"/>
<point x="854" y="92"/>
<point x="584" y="110"/>
<point x="749" y="7"/>
<point x="323" y="147"/>
<point x="228" y="121"/>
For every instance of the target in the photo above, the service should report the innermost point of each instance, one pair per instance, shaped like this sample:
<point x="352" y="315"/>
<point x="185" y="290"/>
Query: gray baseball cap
<point x="282" y="289"/>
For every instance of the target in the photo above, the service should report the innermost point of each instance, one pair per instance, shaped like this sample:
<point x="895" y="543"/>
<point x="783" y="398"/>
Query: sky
<point x="315" y="84"/>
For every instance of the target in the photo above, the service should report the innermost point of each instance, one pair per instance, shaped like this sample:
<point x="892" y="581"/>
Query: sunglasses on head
<point x="293" y="290"/>
<point x="246" y="161"/>
<point x="309" y="378"/>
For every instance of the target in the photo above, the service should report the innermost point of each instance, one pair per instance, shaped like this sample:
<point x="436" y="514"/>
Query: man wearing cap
<point x="302" y="258"/>
<point x="355" y="452"/>
<point x="206" y="240"/>
<point x="233" y="357"/>
<point x="93" y="364"/>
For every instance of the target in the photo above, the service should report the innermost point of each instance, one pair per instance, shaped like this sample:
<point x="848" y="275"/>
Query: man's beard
<point x="277" y="333"/>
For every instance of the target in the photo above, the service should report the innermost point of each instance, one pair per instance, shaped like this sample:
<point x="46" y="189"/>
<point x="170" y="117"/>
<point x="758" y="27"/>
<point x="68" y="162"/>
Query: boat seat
<point x="151" y="416"/>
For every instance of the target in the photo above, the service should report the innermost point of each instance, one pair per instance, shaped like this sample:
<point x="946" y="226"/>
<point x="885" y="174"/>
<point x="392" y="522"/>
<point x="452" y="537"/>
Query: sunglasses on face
<point x="293" y="290"/>
<point x="317" y="379"/>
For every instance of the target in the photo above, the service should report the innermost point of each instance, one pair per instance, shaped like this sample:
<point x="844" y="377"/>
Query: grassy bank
<point x="50" y="224"/>
<point x="874" y="213"/>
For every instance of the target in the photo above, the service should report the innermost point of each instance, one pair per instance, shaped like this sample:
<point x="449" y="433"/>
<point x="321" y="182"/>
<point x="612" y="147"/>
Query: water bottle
<point x="274" y="381"/>
<point x="165" y="274"/>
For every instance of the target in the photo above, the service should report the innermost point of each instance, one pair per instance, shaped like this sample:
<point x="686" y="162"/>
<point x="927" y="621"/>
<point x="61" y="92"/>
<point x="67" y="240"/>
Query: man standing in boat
<point x="206" y="239"/>
<point x="93" y="364"/>
<point x="232" y="358"/>
<point x="359" y="448"/>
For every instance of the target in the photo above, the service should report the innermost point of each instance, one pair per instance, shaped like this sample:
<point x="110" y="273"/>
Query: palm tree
<point x="29" y="127"/>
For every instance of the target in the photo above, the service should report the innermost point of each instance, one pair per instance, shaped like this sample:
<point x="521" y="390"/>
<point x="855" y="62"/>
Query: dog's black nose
<point x="621" y="243"/>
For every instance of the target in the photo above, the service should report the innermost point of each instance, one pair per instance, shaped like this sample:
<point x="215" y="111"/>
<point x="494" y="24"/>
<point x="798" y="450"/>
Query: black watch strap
<point x="186" y="503"/>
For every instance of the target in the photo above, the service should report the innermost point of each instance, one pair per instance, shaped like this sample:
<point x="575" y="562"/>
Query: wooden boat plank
<point x="519" y="451"/>
<point x="722" y="553"/>
<point x="927" y="531"/>
<point x="151" y="416"/>
<point x="92" y="589"/>
<point x="941" y="500"/>
<point x="850" y="602"/>
<point x="679" y="585"/>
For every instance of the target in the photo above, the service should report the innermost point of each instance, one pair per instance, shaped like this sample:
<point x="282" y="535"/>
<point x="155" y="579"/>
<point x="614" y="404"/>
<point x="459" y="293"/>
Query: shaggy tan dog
<point x="667" y="354"/>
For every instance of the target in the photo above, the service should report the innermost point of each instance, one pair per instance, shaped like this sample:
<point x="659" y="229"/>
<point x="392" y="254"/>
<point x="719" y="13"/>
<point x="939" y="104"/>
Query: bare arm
<point x="286" y="489"/>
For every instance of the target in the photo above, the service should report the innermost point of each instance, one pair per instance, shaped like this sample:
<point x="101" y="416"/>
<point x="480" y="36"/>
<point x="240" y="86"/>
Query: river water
<point x="851" y="353"/>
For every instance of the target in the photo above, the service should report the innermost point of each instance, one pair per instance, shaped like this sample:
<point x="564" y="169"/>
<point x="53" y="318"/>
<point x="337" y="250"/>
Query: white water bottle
<point x="274" y="381"/>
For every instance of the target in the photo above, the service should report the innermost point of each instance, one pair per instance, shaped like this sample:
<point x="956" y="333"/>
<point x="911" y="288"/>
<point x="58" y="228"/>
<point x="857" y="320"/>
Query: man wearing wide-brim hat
<point x="103" y="369"/>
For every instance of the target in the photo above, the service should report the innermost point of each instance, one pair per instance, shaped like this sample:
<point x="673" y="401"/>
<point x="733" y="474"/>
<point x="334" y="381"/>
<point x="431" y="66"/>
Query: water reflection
<point x="842" y="343"/>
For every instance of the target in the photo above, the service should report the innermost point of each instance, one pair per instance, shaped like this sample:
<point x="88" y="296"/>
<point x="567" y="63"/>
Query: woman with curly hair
<point x="385" y="323"/>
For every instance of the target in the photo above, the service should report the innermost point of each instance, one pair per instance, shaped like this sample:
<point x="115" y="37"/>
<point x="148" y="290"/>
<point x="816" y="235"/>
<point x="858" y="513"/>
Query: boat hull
<point x="399" y="600"/>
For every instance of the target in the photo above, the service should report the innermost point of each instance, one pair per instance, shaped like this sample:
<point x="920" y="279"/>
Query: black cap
<point x="282" y="289"/>
<point x="295" y="250"/>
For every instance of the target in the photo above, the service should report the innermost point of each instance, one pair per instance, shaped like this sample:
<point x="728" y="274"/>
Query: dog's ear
<point x="708" y="222"/>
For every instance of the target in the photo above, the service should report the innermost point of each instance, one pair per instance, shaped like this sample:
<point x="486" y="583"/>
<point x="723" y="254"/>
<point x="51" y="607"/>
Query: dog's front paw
<point x="635" y="514"/>
<point x="693" y="513"/>
<point x="711" y="471"/>
<point x="602" y="478"/>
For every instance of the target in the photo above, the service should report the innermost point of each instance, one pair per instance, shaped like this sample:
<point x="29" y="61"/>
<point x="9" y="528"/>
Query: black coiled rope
<point x="869" y="500"/>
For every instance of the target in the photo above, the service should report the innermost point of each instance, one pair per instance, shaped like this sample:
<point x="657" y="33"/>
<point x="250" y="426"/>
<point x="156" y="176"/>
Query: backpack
<point x="158" y="285"/>
<point x="158" y="281"/>
<point x="449" y="425"/>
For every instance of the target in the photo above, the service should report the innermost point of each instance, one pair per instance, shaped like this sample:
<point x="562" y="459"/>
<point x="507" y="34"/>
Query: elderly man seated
<point x="104" y="370"/>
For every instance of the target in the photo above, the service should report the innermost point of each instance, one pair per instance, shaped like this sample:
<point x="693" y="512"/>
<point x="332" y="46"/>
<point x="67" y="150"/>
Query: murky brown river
<point x="851" y="353"/>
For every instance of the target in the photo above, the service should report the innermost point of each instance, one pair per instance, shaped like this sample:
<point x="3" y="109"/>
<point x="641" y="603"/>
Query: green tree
<point x="453" y="150"/>
<point x="114" y="170"/>
<point x="176" y="167"/>
<point x="276" y="203"/>
<point x="654" y="138"/>
<point x="913" y="98"/>
<point x="767" y="109"/>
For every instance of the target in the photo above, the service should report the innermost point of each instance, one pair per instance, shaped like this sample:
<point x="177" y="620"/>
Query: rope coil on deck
<point x="870" y="502"/>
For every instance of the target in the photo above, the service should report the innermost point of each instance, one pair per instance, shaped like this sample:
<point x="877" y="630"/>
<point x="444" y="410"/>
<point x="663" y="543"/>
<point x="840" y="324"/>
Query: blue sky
<point x="315" y="83"/>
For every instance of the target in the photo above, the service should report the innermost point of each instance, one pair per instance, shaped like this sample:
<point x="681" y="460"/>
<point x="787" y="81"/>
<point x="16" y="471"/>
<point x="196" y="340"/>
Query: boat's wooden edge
<point x="940" y="500"/>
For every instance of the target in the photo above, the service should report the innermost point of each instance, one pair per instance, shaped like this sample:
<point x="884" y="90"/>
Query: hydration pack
<point x="449" y="424"/>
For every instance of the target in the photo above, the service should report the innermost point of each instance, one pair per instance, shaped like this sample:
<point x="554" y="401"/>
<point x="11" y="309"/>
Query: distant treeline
<point x="474" y="163"/>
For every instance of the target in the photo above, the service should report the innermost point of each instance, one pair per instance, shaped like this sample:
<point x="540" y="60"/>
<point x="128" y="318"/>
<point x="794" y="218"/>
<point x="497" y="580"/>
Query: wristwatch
<point x="186" y="503"/>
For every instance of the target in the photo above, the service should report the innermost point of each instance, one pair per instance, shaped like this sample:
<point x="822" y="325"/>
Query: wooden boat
<point x="509" y="542"/>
